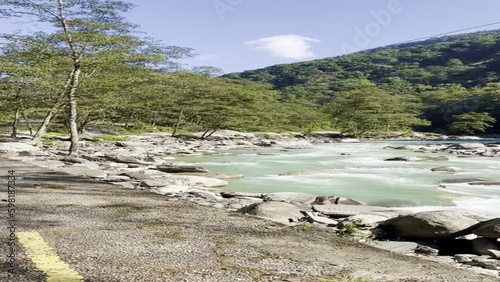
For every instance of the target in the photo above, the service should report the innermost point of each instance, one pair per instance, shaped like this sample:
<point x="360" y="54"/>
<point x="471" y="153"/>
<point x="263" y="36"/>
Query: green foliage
<point x="348" y="229"/>
<point x="369" y="110"/>
<point x="471" y="123"/>
<point x="439" y="78"/>
<point x="109" y="137"/>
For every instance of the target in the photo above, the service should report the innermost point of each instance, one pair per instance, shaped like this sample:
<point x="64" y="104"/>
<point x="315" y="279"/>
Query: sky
<point x="238" y="35"/>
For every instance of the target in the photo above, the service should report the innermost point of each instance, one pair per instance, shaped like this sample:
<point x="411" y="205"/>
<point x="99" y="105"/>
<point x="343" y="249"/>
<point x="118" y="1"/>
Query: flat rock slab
<point x="419" y="159"/>
<point x="339" y="211"/>
<point x="178" y="168"/>
<point x="125" y="159"/>
<point x="371" y="219"/>
<point x="82" y="171"/>
<point x="186" y="180"/>
<point x="462" y="180"/>
<point x="203" y="194"/>
<point x="486" y="183"/>
<point x="400" y="247"/>
<point x="303" y="198"/>
<point x="324" y="200"/>
<point x="241" y="194"/>
<point x="312" y="217"/>
<point x="276" y="211"/>
<point x="446" y="169"/>
<point x="17" y="147"/>
<point x="52" y="164"/>
<point x="172" y="189"/>
<point x="137" y="175"/>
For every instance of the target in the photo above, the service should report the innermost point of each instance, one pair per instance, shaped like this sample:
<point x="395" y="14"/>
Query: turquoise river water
<point x="364" y="175"/>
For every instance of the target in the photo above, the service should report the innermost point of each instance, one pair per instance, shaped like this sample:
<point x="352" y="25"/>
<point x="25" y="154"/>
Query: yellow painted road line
<point x="46" y="259"/>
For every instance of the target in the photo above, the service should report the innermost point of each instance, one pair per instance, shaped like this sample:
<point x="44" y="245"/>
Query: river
<point x="364" y="175"/>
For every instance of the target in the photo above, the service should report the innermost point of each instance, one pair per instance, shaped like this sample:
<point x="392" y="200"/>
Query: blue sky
<point x="238" y="35"/>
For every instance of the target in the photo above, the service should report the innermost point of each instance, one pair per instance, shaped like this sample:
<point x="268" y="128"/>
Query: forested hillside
<point x="451" y="81"/>
<point x="93" y="70"/>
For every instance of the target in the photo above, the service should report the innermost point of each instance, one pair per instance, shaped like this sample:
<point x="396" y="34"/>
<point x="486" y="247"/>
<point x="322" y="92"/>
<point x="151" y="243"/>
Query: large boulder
<point x="276" y="211"/>
<point x="490" y="229"/>
<point x="488" y="247"/>
<point x="468" y="146"/>
<point x="372" y="219"/>
<point x="419" y="159"/>
<point x="179" y="168"/>
<point x="325" y="200"/>
<point x="433" y="224"/>
<point x="288" y="197"/>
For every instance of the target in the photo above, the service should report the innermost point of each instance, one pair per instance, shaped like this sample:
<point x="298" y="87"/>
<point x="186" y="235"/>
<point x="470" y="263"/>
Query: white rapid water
<point x="364" y="175"/>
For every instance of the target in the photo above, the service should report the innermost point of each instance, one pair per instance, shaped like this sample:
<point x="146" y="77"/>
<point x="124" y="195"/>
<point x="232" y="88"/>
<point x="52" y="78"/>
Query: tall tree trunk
<point x="129" y="118"/>
<point x="15" y="123"/>
<point x="28" y="123"/>
<point x="155" y="116"/>
<point x="205" y="134"/>
<point x="45" y="124"/>
<point x="178" y="121"/>
<point x="73" y="127"/>
<point x="74" y="80"/>
<point x="211" y="133"/>
<point x="52" y="112"/>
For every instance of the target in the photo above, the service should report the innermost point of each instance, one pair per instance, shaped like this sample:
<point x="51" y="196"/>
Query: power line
<point x="446" y="33"/>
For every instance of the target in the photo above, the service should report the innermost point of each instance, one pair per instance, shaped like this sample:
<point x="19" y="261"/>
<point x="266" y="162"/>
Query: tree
<point x="29" y="70"/>
<point x="207" y="71"/>
<point x="471" y="123"/>
<point x="371" y="110"/>
<point x="235" y="104"/>
<point x="85" y="31"/>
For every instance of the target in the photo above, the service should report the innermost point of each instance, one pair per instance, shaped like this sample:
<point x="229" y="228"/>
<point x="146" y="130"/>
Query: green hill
<point x="451" y="76"/>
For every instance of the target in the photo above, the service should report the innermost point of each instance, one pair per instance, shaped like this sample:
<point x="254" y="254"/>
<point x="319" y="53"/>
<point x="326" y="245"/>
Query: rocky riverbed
<point x="149" y="162"/>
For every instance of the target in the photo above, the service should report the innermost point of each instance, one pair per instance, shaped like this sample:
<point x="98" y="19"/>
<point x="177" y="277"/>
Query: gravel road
<point x="111" y="234"/>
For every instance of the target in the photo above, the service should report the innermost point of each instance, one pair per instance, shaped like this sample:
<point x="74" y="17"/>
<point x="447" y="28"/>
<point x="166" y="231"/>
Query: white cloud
<point x="289" y="46"/>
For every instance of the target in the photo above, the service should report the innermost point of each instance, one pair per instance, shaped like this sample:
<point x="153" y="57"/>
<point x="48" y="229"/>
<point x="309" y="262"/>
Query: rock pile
<point x="462" y="149"/>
